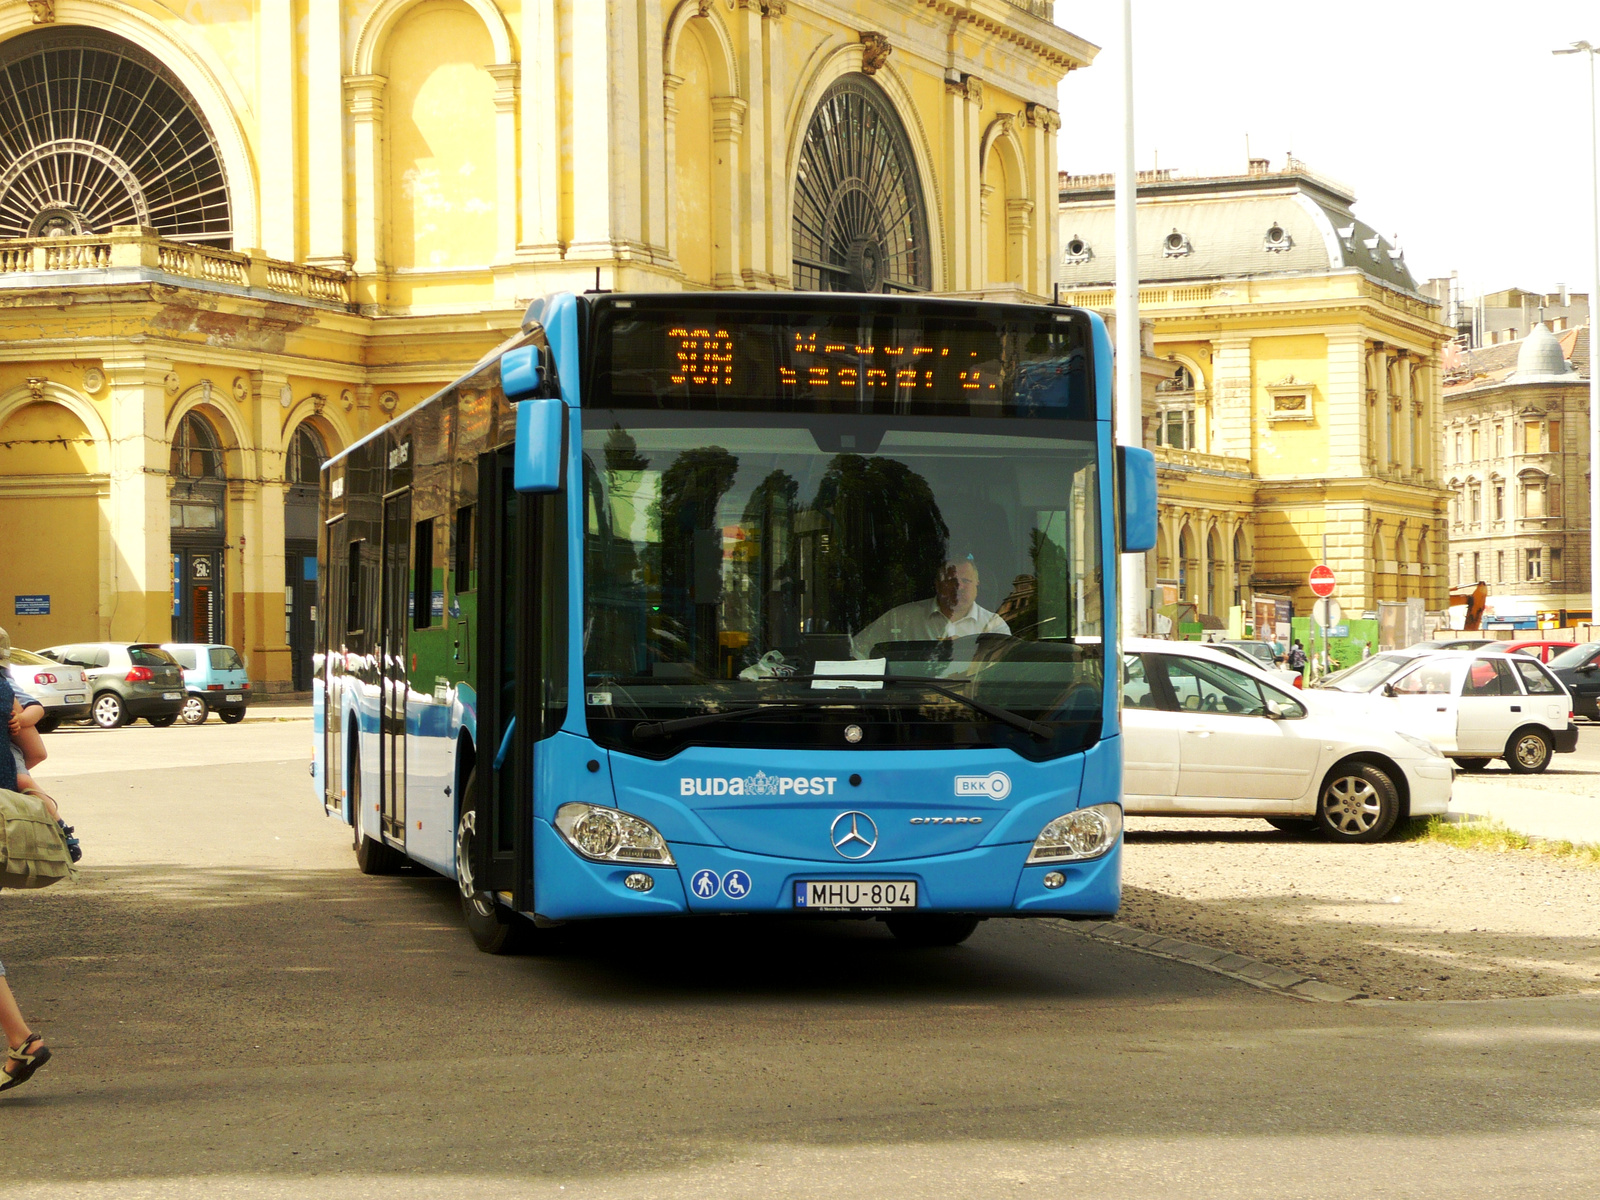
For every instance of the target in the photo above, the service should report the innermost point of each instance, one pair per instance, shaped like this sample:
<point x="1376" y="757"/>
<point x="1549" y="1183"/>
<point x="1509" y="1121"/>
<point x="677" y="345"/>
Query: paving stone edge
<point x="1253" y="971"/>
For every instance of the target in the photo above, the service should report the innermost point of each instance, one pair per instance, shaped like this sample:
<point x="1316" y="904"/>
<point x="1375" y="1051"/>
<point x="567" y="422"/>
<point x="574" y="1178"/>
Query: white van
<point x="1479" y="705"/>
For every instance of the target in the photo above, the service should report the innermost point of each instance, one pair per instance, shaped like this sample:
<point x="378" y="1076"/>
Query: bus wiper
<point x="1016" y="720"/>
<point x="648" y="729"/>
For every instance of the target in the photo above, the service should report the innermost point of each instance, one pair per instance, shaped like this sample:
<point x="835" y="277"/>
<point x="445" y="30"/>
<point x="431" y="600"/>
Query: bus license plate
<point x="847" y="894"/>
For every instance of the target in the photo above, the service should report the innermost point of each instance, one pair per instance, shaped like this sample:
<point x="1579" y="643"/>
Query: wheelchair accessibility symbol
<point x="736" y="885"/>
<point x="706" y="884"/>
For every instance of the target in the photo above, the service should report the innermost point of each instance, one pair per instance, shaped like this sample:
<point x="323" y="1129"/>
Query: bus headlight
<point x="606" y="835"/>
<point x="1087" y="833"/>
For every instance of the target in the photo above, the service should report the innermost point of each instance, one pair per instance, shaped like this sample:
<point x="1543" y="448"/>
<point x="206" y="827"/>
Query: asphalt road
<point x="236" y="1011"/>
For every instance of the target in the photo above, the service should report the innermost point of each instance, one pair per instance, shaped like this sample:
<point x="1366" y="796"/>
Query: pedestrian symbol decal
<point x="736" y="885"/>
<point x="707" y="883"/>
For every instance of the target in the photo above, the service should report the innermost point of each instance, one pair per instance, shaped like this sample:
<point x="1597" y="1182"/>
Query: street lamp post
<point x="1594" y="375"/>
<point x="1130" y="409"/>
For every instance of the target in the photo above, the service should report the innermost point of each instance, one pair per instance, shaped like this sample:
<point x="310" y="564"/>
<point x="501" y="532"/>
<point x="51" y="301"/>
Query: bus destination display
<point x="833" y="362"/>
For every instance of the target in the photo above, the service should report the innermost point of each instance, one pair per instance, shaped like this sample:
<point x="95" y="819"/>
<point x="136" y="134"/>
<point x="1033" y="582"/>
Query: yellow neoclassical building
<point x="237" y="235"/>
<point x="1302" y="401"/>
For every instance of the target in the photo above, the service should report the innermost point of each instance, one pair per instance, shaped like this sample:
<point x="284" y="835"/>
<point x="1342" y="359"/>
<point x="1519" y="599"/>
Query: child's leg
<point x="27" y="740"/>
<point x="25" y="783"/>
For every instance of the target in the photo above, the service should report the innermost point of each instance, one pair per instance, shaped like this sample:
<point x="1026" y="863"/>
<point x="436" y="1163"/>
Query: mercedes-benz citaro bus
<point x="740" y="603"/>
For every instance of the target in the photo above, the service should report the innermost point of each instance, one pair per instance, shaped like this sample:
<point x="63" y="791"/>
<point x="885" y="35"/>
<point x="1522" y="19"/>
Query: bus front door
<point x="507" y="690"/>
<point x="394" y="621"/>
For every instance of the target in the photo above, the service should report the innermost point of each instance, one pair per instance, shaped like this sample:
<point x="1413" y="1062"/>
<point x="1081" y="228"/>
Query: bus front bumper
<point x="986" y="880"/>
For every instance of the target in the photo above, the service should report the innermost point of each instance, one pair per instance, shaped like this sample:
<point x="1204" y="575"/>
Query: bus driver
<point x="952" y="611"/>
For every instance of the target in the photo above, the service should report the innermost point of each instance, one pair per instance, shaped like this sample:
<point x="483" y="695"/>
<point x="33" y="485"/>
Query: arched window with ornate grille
<point x="94" y="133"/>
<point x="859" y="220"/>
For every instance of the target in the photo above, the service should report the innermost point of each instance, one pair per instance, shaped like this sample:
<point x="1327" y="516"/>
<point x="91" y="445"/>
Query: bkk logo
<point x="759" y="784"/>
<point x="996" y="785"/>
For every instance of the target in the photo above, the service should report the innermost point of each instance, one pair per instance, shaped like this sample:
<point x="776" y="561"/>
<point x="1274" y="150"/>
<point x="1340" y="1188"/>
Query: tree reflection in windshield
<point x="723" y="560"/>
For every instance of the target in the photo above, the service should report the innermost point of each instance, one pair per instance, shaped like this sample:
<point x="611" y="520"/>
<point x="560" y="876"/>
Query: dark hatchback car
<point x="1579" y="671"/>
<point x="126" y="681"/>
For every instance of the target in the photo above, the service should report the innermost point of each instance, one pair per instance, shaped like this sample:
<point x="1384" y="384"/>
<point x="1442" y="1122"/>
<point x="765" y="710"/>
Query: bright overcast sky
<point x="1452" y="122"/>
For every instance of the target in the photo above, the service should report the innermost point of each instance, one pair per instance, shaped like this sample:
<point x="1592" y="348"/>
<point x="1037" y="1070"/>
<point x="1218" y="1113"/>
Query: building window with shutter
<point x="1499" y="566"/>
<point x="1533" y="498"/>
<point x="1554" y="443"/>
<point x="1555" y="564"/>
<point x="1499" y="502"/>
<point x="1532" y="436"/>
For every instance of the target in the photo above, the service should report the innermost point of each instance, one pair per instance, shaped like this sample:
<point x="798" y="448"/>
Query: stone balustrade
<point x="1193" y="460"/>
<point x="130" y="246"/>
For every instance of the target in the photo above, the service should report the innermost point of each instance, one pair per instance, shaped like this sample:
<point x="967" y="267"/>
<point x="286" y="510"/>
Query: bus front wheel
<point x="931" y="929"/>
<point x="495" y="929"/>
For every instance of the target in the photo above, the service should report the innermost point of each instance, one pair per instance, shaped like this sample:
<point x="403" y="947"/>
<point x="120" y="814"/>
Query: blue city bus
<point x="740" y="603"/>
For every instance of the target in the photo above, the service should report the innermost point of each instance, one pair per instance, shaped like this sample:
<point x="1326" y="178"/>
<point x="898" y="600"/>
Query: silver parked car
<point x="61" y="689"/>
<point x="126" y="681"/>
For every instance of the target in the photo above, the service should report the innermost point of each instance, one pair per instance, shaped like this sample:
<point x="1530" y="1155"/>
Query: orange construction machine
<point x="1475" y="601"/>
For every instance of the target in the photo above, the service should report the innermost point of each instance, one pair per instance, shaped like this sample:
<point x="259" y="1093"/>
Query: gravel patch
<point x="1397" y="920"/>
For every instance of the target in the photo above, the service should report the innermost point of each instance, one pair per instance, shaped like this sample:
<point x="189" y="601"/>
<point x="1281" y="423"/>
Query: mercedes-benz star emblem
<point x="853" y="834"/>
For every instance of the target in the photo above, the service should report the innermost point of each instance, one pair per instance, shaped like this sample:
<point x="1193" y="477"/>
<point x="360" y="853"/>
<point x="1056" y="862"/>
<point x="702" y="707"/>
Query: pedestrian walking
<point x="1297" y="656"/>
<point x="25" y="1049"/>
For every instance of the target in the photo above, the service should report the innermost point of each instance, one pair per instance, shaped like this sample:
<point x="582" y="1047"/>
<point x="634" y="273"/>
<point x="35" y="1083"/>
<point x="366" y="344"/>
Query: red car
<point x="1543" y="651"/>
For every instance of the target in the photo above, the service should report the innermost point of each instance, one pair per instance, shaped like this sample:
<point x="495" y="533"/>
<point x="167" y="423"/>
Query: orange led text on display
<point x="892" y="375"/>
<point x="703" y="358"/>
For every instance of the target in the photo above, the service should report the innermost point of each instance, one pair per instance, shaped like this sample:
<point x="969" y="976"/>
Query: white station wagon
<point x="1206" y="735"/>
<point x="1476" y="706"/>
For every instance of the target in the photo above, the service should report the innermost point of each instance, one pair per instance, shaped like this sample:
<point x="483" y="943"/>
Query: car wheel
<point x="495" y="929"/>
<point x="232" y="718"/>
<point x="372" y="858"/>
<point x="1528" y="752"/>
<point x="1472" y="764"/>
<point x="931" y="929"/>
<point x="1299" y="826"/>
<point x="195" y="710"/>
<point x="1359" y="803"/>
<point x="162" y="722"/>
<point x="48" y="724"/>
<point x="108" y="712"/>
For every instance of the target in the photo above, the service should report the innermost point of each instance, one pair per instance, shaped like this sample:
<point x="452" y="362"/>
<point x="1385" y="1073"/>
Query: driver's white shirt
<point x="921" y="621"/>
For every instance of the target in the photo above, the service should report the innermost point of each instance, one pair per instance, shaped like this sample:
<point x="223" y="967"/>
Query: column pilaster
<point x="325" y="181"/>
<point x="727" y="136"/>
<point x="138" y="501"/>
<point x="541" y="133"/>
<point x="364" y="101"/>
<point x="507" y="88"/>
<point x="1234" y="397"/>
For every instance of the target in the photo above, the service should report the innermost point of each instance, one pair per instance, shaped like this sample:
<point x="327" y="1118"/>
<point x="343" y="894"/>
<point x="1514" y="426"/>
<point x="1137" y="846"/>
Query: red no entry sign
<point x="1322" y="580"/>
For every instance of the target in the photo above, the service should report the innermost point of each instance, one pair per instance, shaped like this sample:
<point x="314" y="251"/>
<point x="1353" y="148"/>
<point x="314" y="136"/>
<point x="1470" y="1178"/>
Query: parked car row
<point x="115" y="683"/>
<point x="1216" y="729"/>
<point x="1206" y="734"/>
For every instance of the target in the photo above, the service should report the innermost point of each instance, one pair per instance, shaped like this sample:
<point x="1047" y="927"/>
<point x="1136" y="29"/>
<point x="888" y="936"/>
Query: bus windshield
<point x="741" y="560"/>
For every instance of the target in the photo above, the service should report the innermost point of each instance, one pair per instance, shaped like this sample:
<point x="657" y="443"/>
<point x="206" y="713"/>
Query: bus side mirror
<point x="1136" y="470"/>
<point x="537" y="461"/>
<point x="521" y="373"/>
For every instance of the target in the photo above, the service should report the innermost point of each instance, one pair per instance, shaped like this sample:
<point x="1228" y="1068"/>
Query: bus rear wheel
<point x="931" y="929"/>
<point x="495" y="929"/>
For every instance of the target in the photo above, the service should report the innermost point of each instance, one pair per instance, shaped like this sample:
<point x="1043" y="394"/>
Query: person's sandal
<point x="73" y="846"/>
<point x="29" y="1062"/>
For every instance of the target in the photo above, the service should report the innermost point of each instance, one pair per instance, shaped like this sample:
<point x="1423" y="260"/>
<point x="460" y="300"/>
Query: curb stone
<point x="1253" y="971"/>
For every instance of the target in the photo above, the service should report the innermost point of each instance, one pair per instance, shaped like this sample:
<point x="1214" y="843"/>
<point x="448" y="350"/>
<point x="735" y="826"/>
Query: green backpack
<point x="33" y="852"/>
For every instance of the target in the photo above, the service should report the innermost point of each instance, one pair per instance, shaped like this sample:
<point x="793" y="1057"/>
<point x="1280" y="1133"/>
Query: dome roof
<point x="1540" y="358"/>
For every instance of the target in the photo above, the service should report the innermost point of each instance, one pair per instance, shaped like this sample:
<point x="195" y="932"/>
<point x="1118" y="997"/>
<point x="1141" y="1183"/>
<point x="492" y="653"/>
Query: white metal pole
<point x="1594" y="375"/>
<point x="1129" y="408"/>
<point x="1590" y="52"/>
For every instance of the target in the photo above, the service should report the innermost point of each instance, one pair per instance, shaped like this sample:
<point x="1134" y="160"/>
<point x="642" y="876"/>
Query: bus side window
<point x="355" y="607"/>
<point x="422" y="576"/>
<point x="464" y="582"/>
